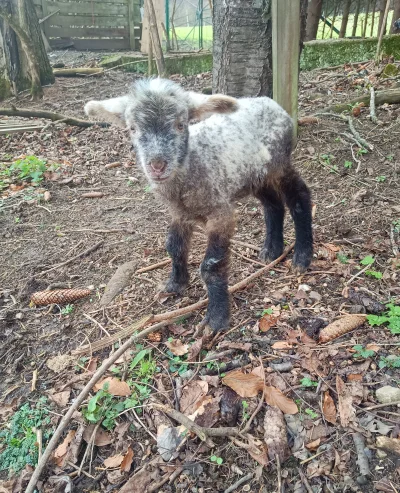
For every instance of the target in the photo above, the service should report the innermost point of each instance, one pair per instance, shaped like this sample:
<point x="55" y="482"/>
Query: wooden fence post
<point x="155" y="38"/>
<point x="285" y="55"/>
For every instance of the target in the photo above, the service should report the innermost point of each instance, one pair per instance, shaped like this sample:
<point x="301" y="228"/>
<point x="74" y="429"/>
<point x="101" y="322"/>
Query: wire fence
<point x="189" y="24"/>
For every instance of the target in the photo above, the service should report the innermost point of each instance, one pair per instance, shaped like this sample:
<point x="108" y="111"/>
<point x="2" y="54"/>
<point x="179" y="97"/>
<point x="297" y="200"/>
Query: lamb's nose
<point x="158" y="166"/>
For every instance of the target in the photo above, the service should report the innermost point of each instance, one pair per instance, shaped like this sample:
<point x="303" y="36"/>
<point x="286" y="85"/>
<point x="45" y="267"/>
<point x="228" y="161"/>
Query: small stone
<point x="47" y="196"/>
<point x="388" y="394"/>
<point x="304" y="287"/>
<point x="315" y="296"/>
<point x="19" y="316"/>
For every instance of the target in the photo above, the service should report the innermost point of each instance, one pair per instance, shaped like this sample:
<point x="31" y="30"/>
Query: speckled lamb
<point x="239" y="147"/>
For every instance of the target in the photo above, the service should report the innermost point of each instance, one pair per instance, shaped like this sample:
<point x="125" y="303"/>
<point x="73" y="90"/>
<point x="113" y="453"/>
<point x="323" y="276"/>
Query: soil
<point x="357" y="214"/>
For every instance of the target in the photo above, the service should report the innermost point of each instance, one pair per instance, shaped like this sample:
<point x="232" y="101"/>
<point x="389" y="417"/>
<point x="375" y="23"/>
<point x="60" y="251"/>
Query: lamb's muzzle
<point x="239" y="147"/>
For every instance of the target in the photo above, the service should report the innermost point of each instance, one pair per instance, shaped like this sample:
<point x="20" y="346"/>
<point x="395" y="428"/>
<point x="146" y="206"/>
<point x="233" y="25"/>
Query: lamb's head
<point x="157" y="113"/>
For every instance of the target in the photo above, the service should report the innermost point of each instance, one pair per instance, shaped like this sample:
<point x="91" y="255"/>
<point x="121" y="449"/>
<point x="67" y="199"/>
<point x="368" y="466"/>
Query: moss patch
<point x="190" y="64"/>
<point x="327" y="53"/>
<point x="5" y="88"/>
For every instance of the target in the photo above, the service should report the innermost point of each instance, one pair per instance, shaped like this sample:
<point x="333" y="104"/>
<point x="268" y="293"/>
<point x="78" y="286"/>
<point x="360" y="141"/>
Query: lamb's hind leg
<point x="214" y="270"/>
<point x="298" y="199"/>
<point x="178" y="243"/>
<point x="274" y="212"/>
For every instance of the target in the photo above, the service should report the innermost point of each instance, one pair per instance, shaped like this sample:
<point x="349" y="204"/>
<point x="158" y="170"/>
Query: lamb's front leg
<point x="178" y="243"/>
<point x="214" y="270"/>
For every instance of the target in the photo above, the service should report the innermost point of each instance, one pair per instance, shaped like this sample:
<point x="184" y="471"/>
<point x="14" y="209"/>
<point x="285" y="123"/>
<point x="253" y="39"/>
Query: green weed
<point x="389" y="362"/>
<point x="307" y="382"/>
<point x="29" y="168"/>
<point x="68" y="309"/>
<point x="368" y="260"/>
<point x="218" y="460"/>
<point x="348" y="164"/>
<point x="361" y="352"/>
<point x="343" y="259"/>
<point x="381" y="178"/>
<point x="18" y="440"/>
<point x="374" y="273"/>
<point x="391" y="318"/>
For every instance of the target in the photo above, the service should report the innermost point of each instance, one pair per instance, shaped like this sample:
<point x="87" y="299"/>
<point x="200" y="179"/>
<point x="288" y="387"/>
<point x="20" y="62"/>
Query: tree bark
<point x="28" y="54"/>
<point x="345" y="18"/>
<point x="313" y="17"/>
<point x="355" y="21"/>
<point x="364" y="33"/>
<point x="242" y="47"/>
<point x="373" y="18"/>
<point x="396" y="15"/>
<point x="381" y="10"/>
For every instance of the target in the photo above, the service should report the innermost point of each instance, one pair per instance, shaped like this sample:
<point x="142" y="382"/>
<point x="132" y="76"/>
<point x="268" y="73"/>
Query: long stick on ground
<point x="49" y="115"/>
<point x="372" y="106"/>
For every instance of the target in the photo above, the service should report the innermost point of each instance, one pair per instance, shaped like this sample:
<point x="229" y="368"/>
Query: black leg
<point x="274" y="212"/>
<point x="214" y="271"/>
<point x="178" y="242"/>
<point x="298" y="199"/>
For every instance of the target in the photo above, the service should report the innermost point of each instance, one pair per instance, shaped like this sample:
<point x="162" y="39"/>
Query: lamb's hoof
<point x="174" y="288"/>
<point x="268" y="255"/>
<point x="216" y="323"/>
<point x="301" y="261"/>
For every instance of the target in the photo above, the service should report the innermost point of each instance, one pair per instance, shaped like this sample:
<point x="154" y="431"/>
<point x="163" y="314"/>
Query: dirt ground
<point x="43" y="244"/>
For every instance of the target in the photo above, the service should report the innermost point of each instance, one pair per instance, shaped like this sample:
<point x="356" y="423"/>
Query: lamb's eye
<point x="180" y="126"/>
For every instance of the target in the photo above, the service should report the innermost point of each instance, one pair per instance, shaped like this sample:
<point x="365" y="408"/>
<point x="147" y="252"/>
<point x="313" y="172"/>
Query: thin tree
<point x="382" y="31"/>
<point x="313" y="17"/>
<point x="364" y="32"/>
<point x="345" y="18"/>
<point x="382" y="19"/>
<point x="396" y="15"/>
<point x="356" y="15"/>
<point x="373" y="18"/>
<point x="335" y="13"/>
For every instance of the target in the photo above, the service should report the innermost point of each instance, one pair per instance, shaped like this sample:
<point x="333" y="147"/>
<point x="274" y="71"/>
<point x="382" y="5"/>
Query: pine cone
<point x="154" y="337"/>
<point x="58" y="296"/>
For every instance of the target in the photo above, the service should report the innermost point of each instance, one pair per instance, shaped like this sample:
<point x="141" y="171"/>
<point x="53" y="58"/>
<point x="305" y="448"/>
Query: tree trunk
<point x="373" y="18"/>
<point x="396" y="16"/>
<point x="242" y="47"/>
<point x="355" y="21"/>
<point x="381" y="9"/>
<point x="364" y="33"/>
<point x="26" y="52"/>
<point x="335" y="12"/>
<point x="313" y="17"/>
<point x="345" y="18"/>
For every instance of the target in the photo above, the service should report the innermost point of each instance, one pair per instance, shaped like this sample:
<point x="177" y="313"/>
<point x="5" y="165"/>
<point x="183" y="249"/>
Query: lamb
<point x="238" y="147"/>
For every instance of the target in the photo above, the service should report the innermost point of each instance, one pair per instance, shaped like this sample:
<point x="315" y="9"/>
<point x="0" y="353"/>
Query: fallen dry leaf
<point x="246" y="346"/>
<point x="244" y="384"/>
<point x="7" y="486"/>
<point x="61" y="398"/>
<point x="192" y="396"/>
<point x="60" y="363"/>
<point x="195" y="349"/>
<point x="208" y="412"/>
<point x="329" y="409"/>
<point x="6" y="409"/>
<point x="282" y="345"/>
<point x="114" y="461"/>
<point x="177" y="348"/>
<point x="313" y="445"/>
<point x="372" y="347"/>
<point x="62" y="449"/>
<point x="211" y="380"/>
<point x="389" y="444"/>
<point x="347" y="412"/>
<point x="354" y="377"/>
<point x="138" y="483"/>
<point x="267" y="321"/>
<point x="275" y="434"/>
<point x="92" y="365"/>
<point x="101" y="439"/>
<point x="274" y="397"/>
<point x="127" y="462"/>
<point x="114" y="386"/>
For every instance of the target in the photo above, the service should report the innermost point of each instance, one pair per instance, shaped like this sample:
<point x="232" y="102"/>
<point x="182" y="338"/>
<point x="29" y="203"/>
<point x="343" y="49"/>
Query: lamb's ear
<point x="208" y="105"/>
<point x="109" y="110"/>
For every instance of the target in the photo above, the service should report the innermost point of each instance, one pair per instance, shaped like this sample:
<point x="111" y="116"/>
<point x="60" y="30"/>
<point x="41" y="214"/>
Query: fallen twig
<point x="239" y="482"/>
<point x="49" y="115"/>
<point x="304" y="480"/>
<point x="395" y="248"/>
<point x="390" y="96"/>
<point x="80" y="398"/>
<point x="372" y="106"/>
<point x="66" y="262"/>
<point x="154" y="266"/>
<point x="377" y="406"/>
<point x="203" y="433"/>
<point x="362" y="459"/>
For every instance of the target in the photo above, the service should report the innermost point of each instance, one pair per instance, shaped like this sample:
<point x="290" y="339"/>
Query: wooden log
<point x="49" y="115"/>
<point x="73" y="72"/>
<point x="389" y="96"/>
<point x="155" y="38"/>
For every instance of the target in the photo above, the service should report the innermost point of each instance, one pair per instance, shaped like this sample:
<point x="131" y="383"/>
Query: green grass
<point x="349" y="30"/>
<point x="190" y="36"/>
